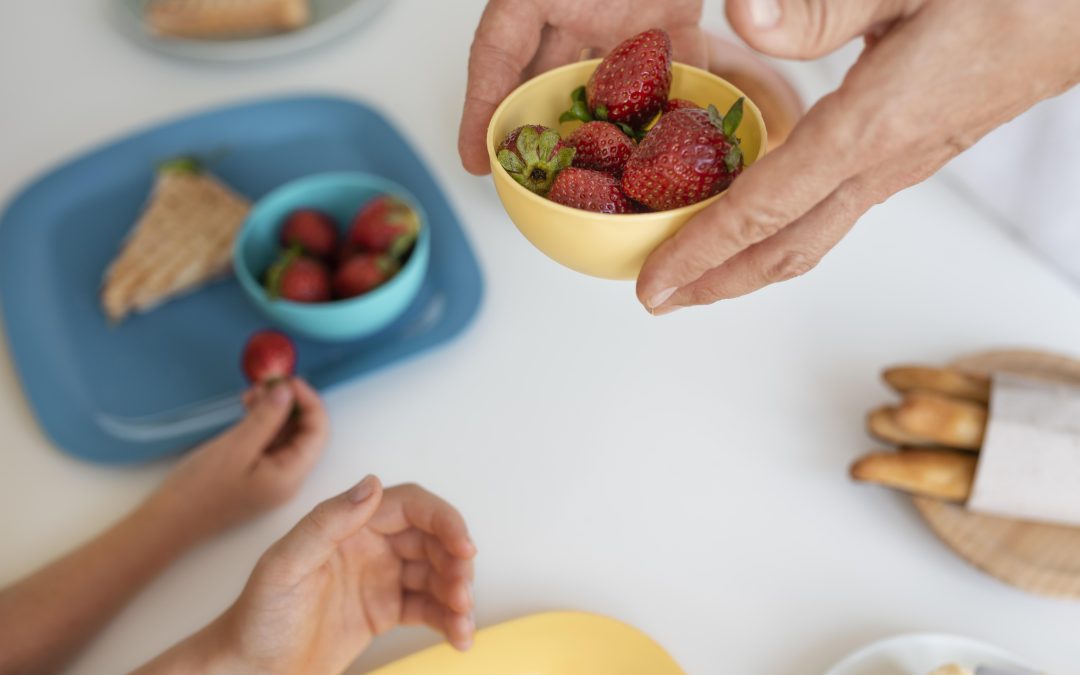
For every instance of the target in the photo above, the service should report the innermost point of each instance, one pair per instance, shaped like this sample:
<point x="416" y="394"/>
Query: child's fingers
<point x="268" y="413"/>
<point x="452" y="592"/>
<point x="423" y="609"/>
<point x="410" y="505"/>
<point x="416" y="545"/>
<point x="307" y="431"/>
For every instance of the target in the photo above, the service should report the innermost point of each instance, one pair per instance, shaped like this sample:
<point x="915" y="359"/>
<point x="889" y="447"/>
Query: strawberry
<point x="691" y="154"/>
<point x="313" y="231"/>
<point x="268" y="356"/>
<point x="630" y="85"/>
<point x="600" y="146"/>
<point x="679" y="104"/>
<point x="298" y="278"/>
<point x="361" y="273"/>
<point x="386" y="224"/>
<point x="533" y="155"/>
<point x="591" y="191"/>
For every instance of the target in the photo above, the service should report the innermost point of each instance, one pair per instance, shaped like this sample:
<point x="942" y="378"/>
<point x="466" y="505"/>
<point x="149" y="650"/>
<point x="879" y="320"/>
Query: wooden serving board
<point x="1036" y="557"/>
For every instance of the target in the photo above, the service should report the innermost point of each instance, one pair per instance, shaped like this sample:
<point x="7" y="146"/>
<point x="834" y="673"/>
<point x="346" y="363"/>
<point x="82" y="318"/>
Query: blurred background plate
<point x="330" y="20"/>
<point x="553" y="643"/>
<point x="161" y="381"/>
<point x="921" y="653"/>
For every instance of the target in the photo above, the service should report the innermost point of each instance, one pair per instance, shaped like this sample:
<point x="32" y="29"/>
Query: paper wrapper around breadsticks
<point x="1029" y="466"/>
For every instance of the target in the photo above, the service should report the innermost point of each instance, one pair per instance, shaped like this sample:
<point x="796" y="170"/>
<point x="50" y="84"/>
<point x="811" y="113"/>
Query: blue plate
<point x="162" y="381"/>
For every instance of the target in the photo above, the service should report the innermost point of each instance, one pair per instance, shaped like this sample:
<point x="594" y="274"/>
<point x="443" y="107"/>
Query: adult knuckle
<point x="758" y="223"/>
<point x="791" y="264"/>
<point x="815" y="40"/>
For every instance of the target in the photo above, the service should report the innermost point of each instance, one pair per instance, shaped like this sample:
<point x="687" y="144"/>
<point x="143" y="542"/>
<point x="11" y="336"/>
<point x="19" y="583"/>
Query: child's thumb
<point x="315" y="538"/>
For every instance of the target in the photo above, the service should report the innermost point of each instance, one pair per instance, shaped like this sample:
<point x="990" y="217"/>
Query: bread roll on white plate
<point x="225" y="18"/>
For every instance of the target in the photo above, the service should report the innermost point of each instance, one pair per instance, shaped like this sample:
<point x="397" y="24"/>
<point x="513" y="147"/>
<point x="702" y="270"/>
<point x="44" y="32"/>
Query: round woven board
<point x="1036" y="557"/>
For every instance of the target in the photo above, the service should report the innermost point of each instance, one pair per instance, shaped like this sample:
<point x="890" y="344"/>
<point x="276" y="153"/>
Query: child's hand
<point x="256" y="465"/>
<point x="358" y="565"/>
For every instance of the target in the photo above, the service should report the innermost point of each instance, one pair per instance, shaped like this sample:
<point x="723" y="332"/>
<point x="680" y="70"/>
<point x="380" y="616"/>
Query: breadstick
<point x="225" y="18"/>
<point x="941" y="474"/>
<point x="947" y="381"/>
<point x="942" y="420"/>
<point x="881" y="424"/>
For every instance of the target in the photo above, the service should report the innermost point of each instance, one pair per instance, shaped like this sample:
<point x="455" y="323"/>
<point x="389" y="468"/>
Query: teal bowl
<point x="340" y="195"/>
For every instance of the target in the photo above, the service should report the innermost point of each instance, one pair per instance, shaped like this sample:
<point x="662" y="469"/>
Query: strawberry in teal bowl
<point x="334" y="257"/>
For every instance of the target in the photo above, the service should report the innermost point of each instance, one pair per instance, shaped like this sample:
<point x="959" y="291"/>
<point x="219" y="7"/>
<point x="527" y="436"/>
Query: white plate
<point x="330" y="19"/>
<point x="920" y="654"/>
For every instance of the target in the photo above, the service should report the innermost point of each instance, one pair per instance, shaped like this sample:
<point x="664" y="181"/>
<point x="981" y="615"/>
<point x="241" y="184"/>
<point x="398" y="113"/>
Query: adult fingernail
<point x="362" y="491"/>
<point x="667" y="309"/>
<point x="764" y="13"/>
<point x="280" y="393"/>
<point x="661" y="297"/>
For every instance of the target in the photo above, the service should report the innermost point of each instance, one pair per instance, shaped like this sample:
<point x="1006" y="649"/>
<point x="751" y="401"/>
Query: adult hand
<point x="358" y="565"/>
<point x="936" y="75"/>
<point x="517" y="39"/>
<point x="257" y="464"/>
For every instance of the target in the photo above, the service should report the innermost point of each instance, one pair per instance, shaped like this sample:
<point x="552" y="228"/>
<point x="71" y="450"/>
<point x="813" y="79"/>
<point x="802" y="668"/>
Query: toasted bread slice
<point x="946" y="381"/>
<point x="942" y="474"/>
<point x="225" y="18"/>
<point x="182" y="241"/>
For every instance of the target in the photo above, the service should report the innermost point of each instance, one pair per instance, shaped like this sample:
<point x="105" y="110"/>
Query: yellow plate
<point x="599" y="244"/>
<point x="553" y="643"/>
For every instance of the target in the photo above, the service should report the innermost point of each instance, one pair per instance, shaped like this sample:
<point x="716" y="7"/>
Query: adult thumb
<point x="808" y="29"/>
<point x="317" y="536"/>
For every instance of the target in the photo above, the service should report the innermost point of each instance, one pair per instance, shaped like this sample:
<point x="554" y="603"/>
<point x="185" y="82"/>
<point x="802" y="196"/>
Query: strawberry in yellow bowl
<point x="598" y="162"/>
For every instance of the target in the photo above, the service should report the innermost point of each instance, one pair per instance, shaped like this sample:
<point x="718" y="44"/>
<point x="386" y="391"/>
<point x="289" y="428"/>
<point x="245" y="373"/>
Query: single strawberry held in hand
<point x="631" y="84"/>
<point x="298" y="278"/>
<point x="690" y="155"/>
<point x="313" y="231"/>
<point x="590" y="191"/>
<point x="386" y="224"/>
<point x="268" y="356"/>
<point x="601" y="146"/>
<point x="534" y="155"/>
<point x="362" y="273"/>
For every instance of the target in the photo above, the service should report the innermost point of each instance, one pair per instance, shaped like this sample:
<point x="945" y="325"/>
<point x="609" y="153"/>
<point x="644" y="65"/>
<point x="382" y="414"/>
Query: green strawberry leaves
<point x="548" y="140"/>
<point x="536" y="157"/>
<point x="733" y="158"/>
<point x="579" y="107"/>
<point x="510" y="161"/>
<point x="277" y="271"/>
<point x="185" y="164"/>
<point x="729" y="124"/>
<point x="579" y="112"/>
<point x="733" y="118"/>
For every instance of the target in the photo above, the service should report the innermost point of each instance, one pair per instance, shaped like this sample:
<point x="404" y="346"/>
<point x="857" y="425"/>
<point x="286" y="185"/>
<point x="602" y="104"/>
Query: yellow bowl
<point x="598" y="244"/>
<point x="553" y="643"/>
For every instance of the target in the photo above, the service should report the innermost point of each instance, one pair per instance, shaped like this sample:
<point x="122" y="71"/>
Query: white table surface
<point x="686" y="474"/>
